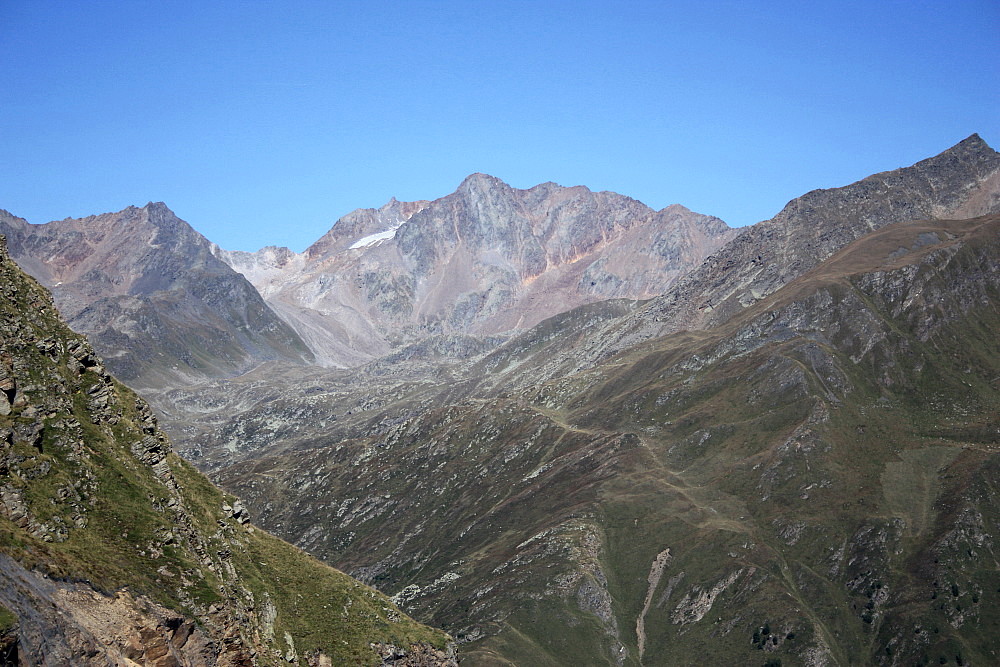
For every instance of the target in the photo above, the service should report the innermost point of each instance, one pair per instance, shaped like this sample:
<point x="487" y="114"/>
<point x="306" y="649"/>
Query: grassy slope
<point x="852" y="488"/>
<point x="98" y="514"/>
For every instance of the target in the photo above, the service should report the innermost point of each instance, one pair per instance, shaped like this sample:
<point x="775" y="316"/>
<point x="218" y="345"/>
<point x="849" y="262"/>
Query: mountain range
<point x="570" y="429"/>
<point x="486" y="259"/>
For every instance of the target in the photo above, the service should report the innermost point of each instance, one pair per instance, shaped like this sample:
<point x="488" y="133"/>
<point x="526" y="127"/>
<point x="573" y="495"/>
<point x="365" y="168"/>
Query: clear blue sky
<point x="263" y="122"/>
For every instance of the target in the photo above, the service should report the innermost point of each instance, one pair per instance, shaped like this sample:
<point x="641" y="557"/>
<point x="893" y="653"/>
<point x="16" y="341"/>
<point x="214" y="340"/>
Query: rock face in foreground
<point x="115" y="551"/>
<point x="152" y="297"/>
<point x="486" y="259"/>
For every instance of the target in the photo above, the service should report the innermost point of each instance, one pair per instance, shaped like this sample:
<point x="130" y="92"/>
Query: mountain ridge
<point x="485" y="259"/>
<point x="767" y="255"/>
<point x="146" y="288"/>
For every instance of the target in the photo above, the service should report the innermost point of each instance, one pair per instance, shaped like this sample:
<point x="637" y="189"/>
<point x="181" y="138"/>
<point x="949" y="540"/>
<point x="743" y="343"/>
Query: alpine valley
<point x="563" y="427"/>
<point x="114" y="551"/>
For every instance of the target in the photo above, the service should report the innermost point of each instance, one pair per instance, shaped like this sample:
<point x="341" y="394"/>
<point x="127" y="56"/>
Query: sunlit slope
<point x="813" y="481"/>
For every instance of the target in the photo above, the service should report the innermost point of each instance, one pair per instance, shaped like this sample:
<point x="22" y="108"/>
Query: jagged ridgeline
<point x="115" y="551"/>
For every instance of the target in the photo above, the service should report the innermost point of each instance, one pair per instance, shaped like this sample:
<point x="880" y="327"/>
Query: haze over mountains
<point x="572" y="430"/>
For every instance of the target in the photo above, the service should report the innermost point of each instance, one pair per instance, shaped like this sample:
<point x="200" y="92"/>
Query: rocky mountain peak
<point x="971" y="144"/>
<point x="484" y="199"/>
<point x="480" y="181"/>
<point x="129" y="279"/>
<point x="159" y="213"/>
<point x="485" y="259"/>
<point x="361" y="223"/>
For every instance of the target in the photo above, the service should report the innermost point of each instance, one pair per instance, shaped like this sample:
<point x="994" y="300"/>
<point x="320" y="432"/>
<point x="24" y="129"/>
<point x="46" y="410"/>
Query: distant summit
<point x="486" y="259"/>
<point x="147" y="290"/>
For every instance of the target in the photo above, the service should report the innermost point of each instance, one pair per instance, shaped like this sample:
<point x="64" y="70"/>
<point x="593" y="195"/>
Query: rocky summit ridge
<point x="486" y="259"/>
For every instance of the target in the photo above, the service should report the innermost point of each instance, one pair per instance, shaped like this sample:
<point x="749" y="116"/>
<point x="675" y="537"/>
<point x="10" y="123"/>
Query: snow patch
<point x="375" y="239"/>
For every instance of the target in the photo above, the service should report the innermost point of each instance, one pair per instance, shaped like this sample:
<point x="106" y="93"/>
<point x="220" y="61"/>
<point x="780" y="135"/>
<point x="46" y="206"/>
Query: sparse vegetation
<point x="91" y="493"/>
<point x="775" y="505"/>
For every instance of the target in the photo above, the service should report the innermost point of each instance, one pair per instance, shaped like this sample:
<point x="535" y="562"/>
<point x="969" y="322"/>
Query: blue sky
<point x="261" y="123"/>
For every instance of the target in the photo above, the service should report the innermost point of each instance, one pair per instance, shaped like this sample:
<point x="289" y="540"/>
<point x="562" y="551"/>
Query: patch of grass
<point x="7" y="620"/>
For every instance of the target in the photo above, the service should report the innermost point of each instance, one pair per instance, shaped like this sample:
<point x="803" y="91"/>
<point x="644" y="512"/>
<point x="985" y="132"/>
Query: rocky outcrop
<point x="415" y="655"/>
<point x="72" y="624"/>
<point x="149" y="293"/>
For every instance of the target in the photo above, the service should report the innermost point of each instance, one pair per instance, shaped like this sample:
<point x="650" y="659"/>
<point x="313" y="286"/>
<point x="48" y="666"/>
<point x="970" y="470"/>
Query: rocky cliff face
<point x="148" y="292"/>
<point x="486" y="259"/>
<point x="114" y="551"/>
